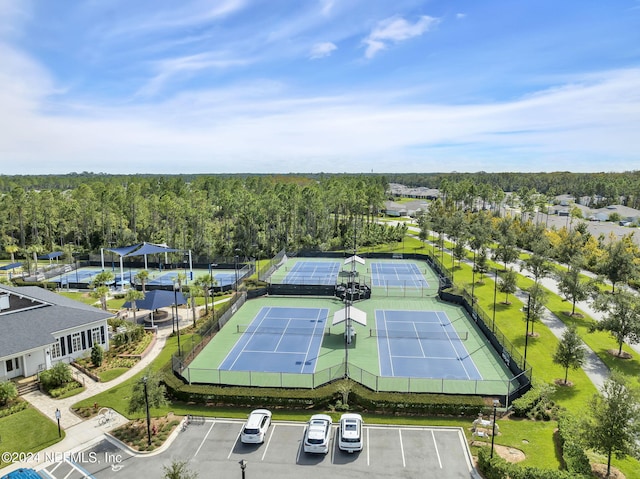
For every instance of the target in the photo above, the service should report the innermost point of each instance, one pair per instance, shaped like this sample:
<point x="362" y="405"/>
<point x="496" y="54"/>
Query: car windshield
<point x="251" y="431"/>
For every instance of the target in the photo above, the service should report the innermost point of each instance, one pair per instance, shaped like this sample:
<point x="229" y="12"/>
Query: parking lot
<point x="213" y="449"/>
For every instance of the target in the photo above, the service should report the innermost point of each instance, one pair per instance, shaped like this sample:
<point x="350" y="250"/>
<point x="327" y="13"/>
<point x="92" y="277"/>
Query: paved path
<point x="596" y="370"/>
<point x="81" y="433"/>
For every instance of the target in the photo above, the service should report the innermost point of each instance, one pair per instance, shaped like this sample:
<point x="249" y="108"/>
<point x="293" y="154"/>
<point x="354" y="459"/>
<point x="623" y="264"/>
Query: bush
<point x="20" y="406"/>
<point x="97" y="355"/>
<point x="573" y="454"/>
<point x="55" y="377"/>
<point x="8" y="392"/>
<point x="498" y="468"/>
<point x="536" y="404"/>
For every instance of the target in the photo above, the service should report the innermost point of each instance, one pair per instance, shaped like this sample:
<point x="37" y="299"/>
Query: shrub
<point x="8" y="392"/>
<point x="573" y="453"/>
<point x="20" y="406"/>
<point x="97" y="355"/>
<point x="536" y="404"/>
<point x="56" y="376"/>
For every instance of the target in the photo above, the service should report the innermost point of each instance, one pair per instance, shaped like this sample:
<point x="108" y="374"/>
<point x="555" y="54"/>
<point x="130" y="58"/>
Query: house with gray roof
<point x="39" y="328"/>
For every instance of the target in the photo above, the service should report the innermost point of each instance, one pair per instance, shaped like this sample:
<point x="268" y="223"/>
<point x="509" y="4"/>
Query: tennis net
<point x="442" y="335"/>
<point x="247" y="328"/>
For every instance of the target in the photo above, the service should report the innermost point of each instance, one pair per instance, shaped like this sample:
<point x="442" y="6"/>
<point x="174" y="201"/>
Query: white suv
<point x="256" y="427"/>
<point x="317" y="434"/>
<point x="350" y="433"/>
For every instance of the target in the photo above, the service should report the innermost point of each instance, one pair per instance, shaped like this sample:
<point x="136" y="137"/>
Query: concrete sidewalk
<point x="81" y="433"/>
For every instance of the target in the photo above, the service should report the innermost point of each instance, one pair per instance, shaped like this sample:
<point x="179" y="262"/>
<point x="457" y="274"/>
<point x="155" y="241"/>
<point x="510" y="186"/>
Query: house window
<point x="55" y="350"/>
<point x="76" y="342"/>
<point x="9" y="363"/>
<point x="95" y="336"/>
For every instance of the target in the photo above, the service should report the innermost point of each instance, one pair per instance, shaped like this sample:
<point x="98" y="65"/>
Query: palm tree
<point x="132" y="296"/>
<point x="143" y="276"/>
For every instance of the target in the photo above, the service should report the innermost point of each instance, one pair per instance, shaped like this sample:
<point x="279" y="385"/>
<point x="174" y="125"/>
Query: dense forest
<point x="214" y="216"/>
<point x="253" y="215"/>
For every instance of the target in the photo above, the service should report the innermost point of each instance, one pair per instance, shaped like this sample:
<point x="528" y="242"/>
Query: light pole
<point x="235" y="266"/>
<point x="175" y="302"/>
<point x="212" y="289"/>
<point x="495" y="292"/>
<point x="473" y="280"/>
<point x="146" y="402"/>
<point x="243" y="466"/>
<point x="58" y="419"/>
<point x="493" y="433"/>
<point x="526" y="337"/>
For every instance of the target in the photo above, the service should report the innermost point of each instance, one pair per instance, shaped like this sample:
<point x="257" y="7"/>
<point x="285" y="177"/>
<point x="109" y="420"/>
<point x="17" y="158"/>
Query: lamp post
<point x="235" y="266"/>
<point x="493" y="433"/>
<point x="473" y="280"/>
<point x="526" y="337"/>
<point x="243" y="466"/>
<point x="175" y="302"/>
<point x="211" y="288"/>
<point x="146" y="402"/>
<point x="58" y="419"/>
<point x="495" y="292"/>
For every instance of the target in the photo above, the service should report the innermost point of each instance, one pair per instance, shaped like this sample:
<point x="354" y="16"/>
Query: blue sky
<point x="275" y="86"/>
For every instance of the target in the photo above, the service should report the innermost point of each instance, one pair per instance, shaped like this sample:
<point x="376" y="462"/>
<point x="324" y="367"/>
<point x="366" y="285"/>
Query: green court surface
<point x="363" y="275"/>
<point x="363" y="361"/>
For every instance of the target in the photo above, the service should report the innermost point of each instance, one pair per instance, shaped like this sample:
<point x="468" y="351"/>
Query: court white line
<point x="455" y="349"/>
<point x="435" y="444"/>
<point x="418" y="338"/>
<point x="204" y="439"/>
<point x="404" y="464"/>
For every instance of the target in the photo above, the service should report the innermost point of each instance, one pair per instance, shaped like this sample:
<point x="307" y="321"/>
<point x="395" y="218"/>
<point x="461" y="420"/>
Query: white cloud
<point x="327" y="6"/>
<point x="460" y="16"/>
<point x="583" y="124"/>
<point x="185" y="66"/>
<point x="321" y="50"/>
<point x="394" y="30"/>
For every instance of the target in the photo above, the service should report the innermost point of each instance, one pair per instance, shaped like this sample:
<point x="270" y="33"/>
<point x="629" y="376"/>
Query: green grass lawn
<point x="41" y="432"/>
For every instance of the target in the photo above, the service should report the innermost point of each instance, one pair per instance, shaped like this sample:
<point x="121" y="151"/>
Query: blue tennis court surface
<point x="170" y="277"/>
<point x="279" y="339"/>
<point x="397" y="274"/>
<point x="313" y="272"/>
<point x="422" y="344"/>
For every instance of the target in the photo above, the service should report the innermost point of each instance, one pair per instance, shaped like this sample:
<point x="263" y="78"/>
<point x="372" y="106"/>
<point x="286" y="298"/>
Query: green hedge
<point x="22" y="405"/>
<point x="498" y="468"/>
<point x="573" y="454"/>
<point x="323" y="397"/>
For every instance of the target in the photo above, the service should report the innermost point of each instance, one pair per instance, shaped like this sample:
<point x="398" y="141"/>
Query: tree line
<point x="214" y="216"/>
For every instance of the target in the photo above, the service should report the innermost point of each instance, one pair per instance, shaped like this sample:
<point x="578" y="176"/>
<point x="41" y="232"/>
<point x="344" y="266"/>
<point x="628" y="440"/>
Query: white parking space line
<point x="204" y="439"/>
<point x="436" y="446"/>
<point x="368" y="442"/>
<point x="404" y="464"/>
<point x="266" y="448"/>
<point x="463" y="444"/>
<point x="233" y="446"/>
<point x="57" y="466"/>
<point x="79" y="468"/>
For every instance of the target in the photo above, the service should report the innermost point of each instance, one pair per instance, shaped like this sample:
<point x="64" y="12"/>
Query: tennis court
<point x="158" y="278"/>
<point x="279" y="339"/>
<point x="397" y="274"/>
<point x="307" y="272"/>
<point x="422" y="344"/>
